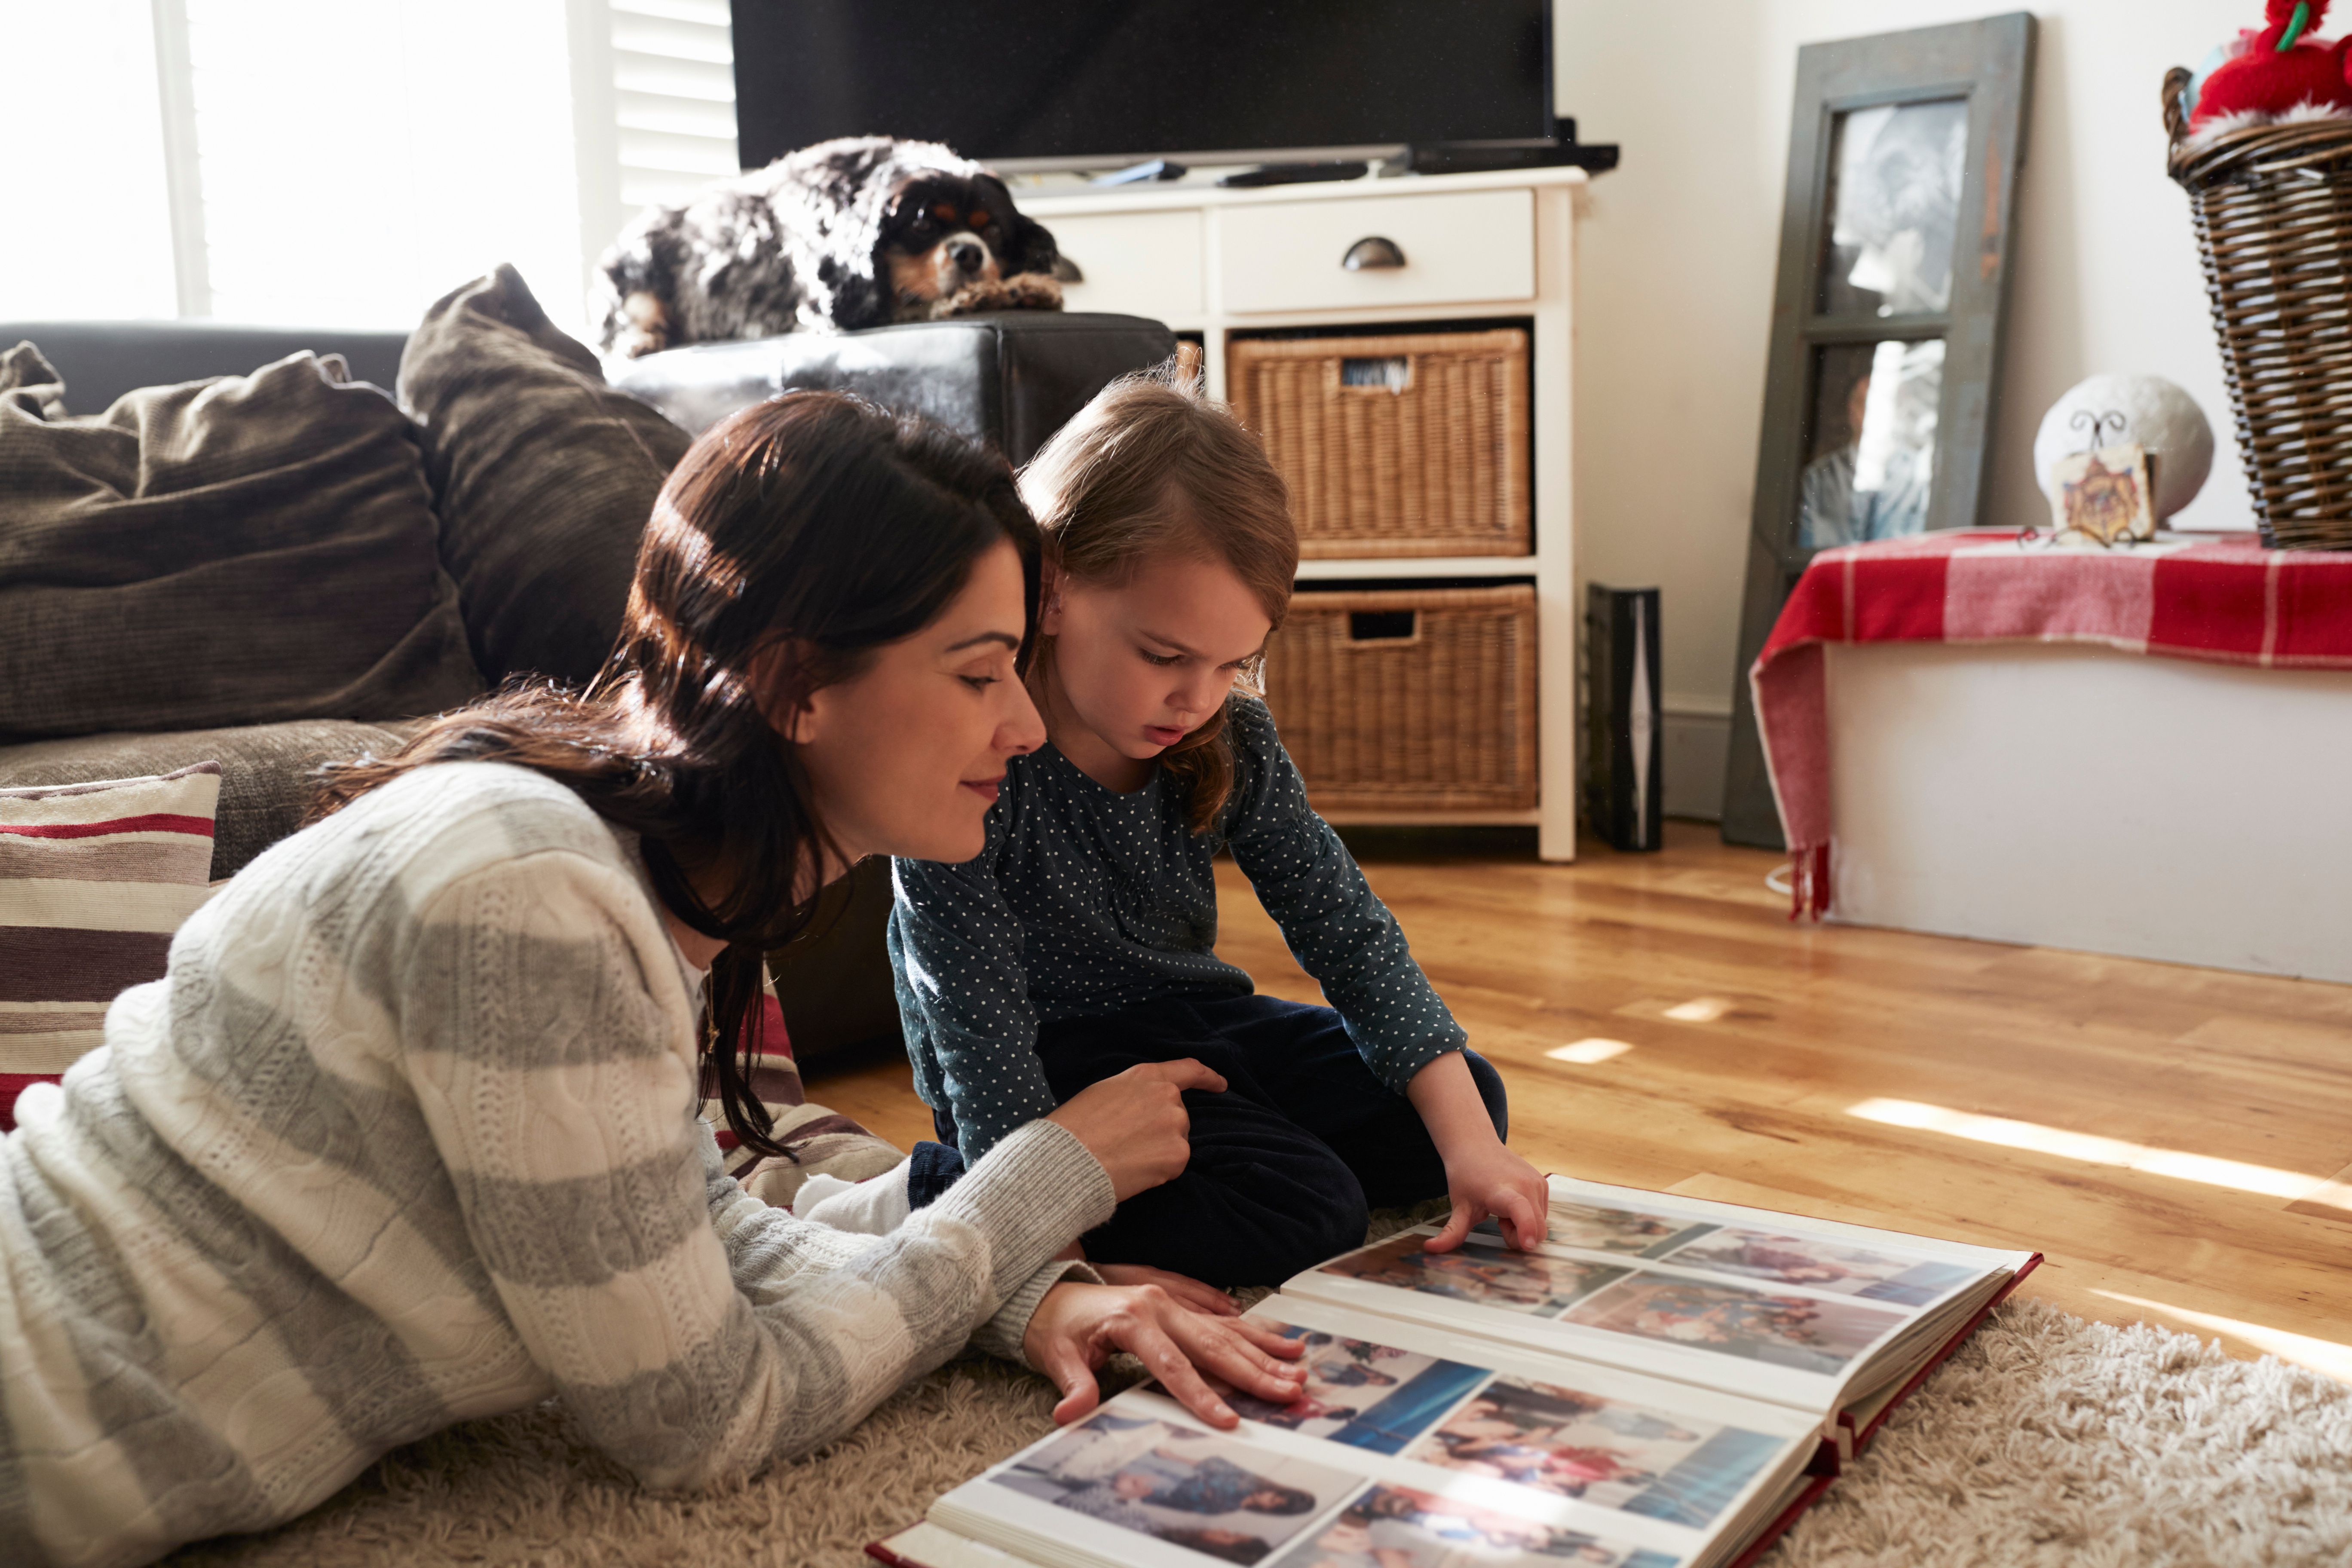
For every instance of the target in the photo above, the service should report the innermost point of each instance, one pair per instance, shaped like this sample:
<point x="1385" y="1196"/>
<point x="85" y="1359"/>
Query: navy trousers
<point x="1287" y="1163"/>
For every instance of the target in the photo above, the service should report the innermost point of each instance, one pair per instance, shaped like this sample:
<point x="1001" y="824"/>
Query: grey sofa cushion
<point x="544" y="476"/>
<point x="265" y="771"/>
<point x="246" y="550"/>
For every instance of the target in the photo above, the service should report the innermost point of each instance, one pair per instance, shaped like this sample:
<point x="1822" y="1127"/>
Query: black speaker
<point x="1624" y="744"/>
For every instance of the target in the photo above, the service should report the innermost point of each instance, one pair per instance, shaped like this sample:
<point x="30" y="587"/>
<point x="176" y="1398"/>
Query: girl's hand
<point x="1077" y="1327"/>
<point x="1491" y="1180"/>
<point x="1136" y="1125"/>
<point x="1186" y="1290"/>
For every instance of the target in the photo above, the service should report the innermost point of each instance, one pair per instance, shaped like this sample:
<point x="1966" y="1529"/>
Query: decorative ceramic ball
<point x="2108" y="410"/>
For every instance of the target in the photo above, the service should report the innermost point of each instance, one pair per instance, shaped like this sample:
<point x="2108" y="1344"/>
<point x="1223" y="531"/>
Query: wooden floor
<point x="2166" y="1135"/>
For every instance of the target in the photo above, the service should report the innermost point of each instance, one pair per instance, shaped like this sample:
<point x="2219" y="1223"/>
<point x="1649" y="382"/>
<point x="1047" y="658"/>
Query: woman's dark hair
<point x="814" y="528"/>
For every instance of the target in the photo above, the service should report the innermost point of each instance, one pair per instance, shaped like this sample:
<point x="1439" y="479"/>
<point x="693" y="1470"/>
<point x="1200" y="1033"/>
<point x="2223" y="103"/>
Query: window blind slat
<point x="633" y="72"/>
<point x="678" y="116"/>
<point x="709" y="13"/>
<point x="700" y="155"/>
<point x="674" y="41"/>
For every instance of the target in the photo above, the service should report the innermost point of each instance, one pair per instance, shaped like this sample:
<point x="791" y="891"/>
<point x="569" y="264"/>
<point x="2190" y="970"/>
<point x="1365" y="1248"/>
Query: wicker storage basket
<point x="1412" y="444"/>
<point x="1414" y="700"/>
<point x="2272" y="205"/>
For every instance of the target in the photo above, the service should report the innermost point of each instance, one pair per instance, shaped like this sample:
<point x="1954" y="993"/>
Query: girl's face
<point x="905" y="757"/>
<point x="1137" y="667"/>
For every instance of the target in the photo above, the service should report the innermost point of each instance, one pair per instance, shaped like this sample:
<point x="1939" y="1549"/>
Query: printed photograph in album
<point x="1398" y="1526"/>
<point x="1478" y="1274"/>
<point x="1630" y="1444"/>
<point x="1179" y="1484"/>
<point x="1821" y="1264"/>
<point x="1799" y="1331"/>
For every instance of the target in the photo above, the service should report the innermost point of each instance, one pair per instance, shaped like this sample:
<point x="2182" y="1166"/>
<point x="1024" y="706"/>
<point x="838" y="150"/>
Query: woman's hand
<point x="1136" y="1125"/>
<point x="1078" y="1326"/>
<point x="1186" y="1290"/>
<point x="1489" y="1179"/>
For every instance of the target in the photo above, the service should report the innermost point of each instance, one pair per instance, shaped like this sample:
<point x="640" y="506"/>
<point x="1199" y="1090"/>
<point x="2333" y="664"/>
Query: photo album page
<point x="1806" y="1312"/>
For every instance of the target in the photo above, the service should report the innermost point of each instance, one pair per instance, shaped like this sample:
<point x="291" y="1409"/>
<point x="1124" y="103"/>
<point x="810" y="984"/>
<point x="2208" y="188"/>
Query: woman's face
<point x="905" y="757"/>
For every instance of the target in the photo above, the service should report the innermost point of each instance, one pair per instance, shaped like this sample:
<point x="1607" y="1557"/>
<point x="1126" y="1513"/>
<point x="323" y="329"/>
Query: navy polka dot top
<point x="1087" y="902"/>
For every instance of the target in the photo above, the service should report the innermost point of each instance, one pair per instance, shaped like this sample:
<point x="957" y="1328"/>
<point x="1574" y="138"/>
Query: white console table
<point x="1211" y="260"/>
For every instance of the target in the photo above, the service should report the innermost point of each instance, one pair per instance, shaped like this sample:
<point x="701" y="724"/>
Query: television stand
<point x="1470" y="252"/>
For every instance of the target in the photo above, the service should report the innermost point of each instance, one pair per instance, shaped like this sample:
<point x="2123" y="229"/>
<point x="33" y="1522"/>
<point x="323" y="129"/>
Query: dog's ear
<point x="1033" y="249"/>
<point x="1029" y="245"/>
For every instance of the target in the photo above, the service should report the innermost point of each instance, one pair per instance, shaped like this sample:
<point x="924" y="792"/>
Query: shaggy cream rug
<point x="2046" y="1440"/>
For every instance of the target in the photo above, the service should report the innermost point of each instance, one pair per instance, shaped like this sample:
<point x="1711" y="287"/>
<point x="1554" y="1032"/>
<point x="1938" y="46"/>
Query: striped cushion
<point x="94" y="879"/>
<point x="820" y="1140"/>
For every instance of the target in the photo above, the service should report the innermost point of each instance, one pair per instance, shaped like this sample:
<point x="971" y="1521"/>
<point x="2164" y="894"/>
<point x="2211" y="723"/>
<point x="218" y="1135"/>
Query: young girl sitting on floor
<point x="1081" y="941"/>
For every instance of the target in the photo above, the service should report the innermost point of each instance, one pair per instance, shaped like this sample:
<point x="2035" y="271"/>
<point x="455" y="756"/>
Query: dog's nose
<point x="968" y="256"/>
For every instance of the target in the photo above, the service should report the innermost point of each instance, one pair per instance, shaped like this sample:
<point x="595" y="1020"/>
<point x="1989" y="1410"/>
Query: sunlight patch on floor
<point x="1699" y="1010"/>
<point x="2089" y="1148"/>
<point x="1587" y="1052"/>
<point x="2323" y="1356"/>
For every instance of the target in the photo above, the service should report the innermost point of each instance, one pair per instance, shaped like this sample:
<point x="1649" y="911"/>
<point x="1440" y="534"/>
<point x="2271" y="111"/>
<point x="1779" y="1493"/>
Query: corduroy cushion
<point x="94" y="879"/>
<point x="544" y="476"/>
<point x="240" y="551"/>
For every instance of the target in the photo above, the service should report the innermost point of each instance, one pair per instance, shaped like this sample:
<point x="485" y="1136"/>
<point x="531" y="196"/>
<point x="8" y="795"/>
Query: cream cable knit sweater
<point x="407" y="1136"/>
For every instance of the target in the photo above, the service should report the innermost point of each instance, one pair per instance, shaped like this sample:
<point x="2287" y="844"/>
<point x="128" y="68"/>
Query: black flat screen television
<point x="1091" y="83"/>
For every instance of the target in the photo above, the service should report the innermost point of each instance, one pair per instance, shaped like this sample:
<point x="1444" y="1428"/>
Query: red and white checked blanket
<point x="2227" y="602"/>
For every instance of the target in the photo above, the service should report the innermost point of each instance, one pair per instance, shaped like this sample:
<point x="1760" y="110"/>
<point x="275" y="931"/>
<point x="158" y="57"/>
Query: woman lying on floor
<point x="408" y="1135"/>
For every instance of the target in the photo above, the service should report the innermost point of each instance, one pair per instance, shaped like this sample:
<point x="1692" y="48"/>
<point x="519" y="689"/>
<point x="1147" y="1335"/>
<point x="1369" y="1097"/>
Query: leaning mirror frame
<point x="1888" y="321"/>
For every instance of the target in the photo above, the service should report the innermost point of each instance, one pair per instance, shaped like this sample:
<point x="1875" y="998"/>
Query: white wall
<point x="1675" y="291"/>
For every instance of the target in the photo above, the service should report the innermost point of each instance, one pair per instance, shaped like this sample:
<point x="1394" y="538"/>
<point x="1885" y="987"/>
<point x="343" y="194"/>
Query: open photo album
<point x="1665" y="1383"/>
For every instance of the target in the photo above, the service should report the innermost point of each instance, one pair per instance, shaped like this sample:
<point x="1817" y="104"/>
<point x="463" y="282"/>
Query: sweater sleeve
<point x="965" y="995"/>
<point x="549" y="1037"/>
<point x="1336" y="926"/>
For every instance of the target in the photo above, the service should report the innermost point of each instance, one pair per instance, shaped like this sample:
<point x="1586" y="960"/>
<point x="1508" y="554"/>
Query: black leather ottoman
<point x="1011" y="379"/>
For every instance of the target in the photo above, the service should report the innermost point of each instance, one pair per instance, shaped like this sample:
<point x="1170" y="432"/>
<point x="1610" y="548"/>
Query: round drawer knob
<point x="1373" y="250"/>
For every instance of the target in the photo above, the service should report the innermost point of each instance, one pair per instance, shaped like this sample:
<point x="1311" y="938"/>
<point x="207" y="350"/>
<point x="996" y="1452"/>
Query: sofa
<point x="488" y="387"/>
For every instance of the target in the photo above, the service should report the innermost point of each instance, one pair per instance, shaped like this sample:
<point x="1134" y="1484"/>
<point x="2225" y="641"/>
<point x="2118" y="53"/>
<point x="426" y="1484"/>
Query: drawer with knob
<point x="1138" y="264"/>
<point x="1460" y="247"/>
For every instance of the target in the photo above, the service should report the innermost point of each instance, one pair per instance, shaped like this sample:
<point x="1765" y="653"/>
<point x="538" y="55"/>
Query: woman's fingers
<point x="1188" y="1290"/>
<point x="1184" y="1073"/>
<point x="1061" y="1360"/>
<point x="1231" y="1356"/>
<point x="1136" y="1125"/>
<point x="1151" y="1345"/>
<point x="1268" y="1339"/>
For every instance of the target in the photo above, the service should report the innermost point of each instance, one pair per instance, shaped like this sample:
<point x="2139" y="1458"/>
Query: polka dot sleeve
<point x="1335" y="925"/>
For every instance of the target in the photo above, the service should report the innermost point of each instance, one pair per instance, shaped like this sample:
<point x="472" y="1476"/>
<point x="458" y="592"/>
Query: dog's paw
<point x="971" y="300"/>
<point x="645" y="330"/>
<point x="1033" y="291"/>
<point x="1022" y="291"/>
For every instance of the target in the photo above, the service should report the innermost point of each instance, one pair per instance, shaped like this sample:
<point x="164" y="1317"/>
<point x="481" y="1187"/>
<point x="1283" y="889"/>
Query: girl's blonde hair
<point x="1151" y="468"/>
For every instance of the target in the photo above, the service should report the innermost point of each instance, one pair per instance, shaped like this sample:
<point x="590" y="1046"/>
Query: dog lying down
<point x="860" y="232"/>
